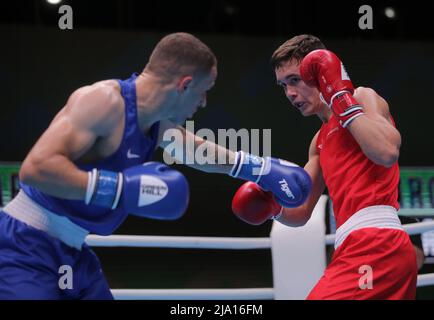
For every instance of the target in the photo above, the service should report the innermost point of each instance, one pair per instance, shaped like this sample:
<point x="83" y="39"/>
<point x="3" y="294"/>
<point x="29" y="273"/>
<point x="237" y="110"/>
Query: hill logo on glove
<point x="152" y="190"/>
<point x="284" y="187"/>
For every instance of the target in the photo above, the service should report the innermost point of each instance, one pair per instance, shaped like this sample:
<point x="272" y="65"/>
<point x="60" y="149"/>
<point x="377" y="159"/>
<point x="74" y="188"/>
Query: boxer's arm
<point x="378" y="138"/>
<point x="295" y="217"/>
<point x="183" y="147"/>
<point x="90" y="113"/>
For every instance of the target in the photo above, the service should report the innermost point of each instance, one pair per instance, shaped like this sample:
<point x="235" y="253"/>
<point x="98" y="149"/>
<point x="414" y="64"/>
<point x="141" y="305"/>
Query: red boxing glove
<point x="254" y="205"/>
<point x="324" y="70"/>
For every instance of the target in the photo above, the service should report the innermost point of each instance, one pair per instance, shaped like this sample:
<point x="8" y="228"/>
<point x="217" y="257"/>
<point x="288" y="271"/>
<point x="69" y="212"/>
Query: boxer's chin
<point x="306" y="110"/>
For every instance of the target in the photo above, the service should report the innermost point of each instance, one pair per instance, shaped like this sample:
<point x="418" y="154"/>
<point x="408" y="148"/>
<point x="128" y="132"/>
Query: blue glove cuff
<point x="248" y="167"/>
<point x="104" y="188"/>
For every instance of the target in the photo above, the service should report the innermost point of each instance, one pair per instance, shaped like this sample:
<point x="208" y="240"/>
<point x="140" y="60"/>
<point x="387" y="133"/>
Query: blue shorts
<point x="35" y="265"/>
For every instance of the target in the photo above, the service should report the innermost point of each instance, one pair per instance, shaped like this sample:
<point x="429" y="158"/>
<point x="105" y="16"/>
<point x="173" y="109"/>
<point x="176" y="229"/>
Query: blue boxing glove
<point x="289" y="183"/>
<point x="151" y="190"/>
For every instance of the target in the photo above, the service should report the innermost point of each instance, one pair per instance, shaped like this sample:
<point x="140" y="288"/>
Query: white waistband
<point x="369" y="217"/>
<point x="26" y="210"/>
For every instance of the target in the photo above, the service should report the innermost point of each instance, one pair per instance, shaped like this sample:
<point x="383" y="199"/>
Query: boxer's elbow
<point x="26" y="174"/>
<point x="391" y="153"/>
<point x="384" y="154"/>
<point x="383" y="150"/>
<point x="296" y="224"/>
<point x="391" y="158"/>
<point x="30" y="171"/>
<point x="387" y="157"/>
<point x="296" y="217"/>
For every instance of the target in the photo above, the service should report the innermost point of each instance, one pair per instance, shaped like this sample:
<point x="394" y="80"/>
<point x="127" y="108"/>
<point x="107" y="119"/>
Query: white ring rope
<point x="425" y="280"/>
<point x="194" y="294"/>
<point x="214" y="242"/>
<point x="178" y="242"/>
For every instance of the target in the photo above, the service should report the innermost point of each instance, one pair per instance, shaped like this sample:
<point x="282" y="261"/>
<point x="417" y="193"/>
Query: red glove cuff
<point x="345" y="107"/>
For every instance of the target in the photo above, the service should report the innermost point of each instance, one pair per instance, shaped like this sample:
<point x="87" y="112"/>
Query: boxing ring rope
<point x="194" y="294"/>
<point x="225" y="243"/>
<point x="179" y="242"/>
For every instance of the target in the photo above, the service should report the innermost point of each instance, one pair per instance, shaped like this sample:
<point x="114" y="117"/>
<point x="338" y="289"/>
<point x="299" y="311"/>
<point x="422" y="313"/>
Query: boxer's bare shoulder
<point x="372" y="102"/>
<point x="101" y="103"/>
<point x="93" y="115"/>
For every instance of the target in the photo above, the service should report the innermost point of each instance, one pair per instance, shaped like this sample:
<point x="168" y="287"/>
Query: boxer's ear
<point x="184" y="83"/>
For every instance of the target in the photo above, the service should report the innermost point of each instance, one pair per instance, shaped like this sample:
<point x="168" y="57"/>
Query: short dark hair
<point x="295" y="48"/>
<point x="178" y="51"/>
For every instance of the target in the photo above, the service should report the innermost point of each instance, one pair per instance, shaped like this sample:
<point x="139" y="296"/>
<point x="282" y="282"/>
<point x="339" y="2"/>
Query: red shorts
<point x="372" y="263"/>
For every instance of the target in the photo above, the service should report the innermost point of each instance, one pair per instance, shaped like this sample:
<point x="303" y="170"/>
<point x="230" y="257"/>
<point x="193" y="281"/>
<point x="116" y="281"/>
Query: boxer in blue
<point x="90" y="169"/>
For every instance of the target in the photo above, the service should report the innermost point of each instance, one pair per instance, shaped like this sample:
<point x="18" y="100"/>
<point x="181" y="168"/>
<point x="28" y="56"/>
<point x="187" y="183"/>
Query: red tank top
<point x="354" y="182"/>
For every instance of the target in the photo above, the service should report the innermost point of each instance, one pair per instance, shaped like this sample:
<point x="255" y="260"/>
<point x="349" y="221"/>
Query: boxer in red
<point x="354" y="154"/>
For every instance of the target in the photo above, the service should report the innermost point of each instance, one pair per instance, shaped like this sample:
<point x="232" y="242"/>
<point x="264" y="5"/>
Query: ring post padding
<point x="298" y="255"/>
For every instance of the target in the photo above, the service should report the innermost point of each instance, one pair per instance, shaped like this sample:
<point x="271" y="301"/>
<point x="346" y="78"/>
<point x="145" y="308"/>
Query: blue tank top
<point x="135" y="148"/>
